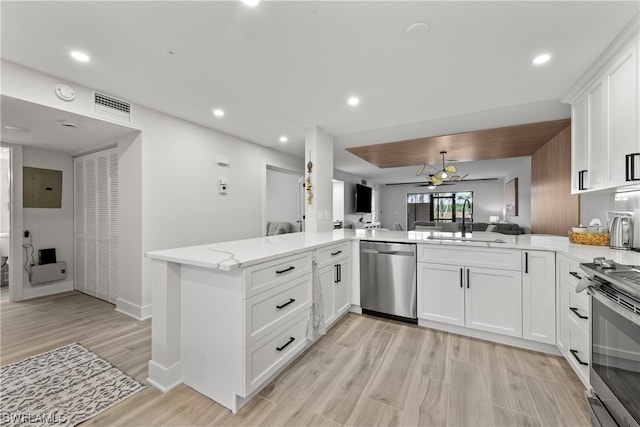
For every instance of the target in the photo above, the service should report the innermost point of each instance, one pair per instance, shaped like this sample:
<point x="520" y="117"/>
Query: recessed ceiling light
<point x="284" y="139"/>
<point x="79" y="56"/>
<point x="251" y="3"/>
<point x="541" y="59"/>
<point x="218" y="112"/>
<point x="16" y="128"/>
<point x="353" y="101"/>
<point x="418" y="29"/>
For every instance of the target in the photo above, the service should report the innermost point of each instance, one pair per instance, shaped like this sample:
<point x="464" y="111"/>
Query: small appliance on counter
<point x="620" y="230"/>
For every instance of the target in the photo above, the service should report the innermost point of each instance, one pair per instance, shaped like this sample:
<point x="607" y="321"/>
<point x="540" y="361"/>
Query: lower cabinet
<point x="335" y="282"/>
<point x="539" y="296"/>
<point x="573" y="318"/>
<point x="475" y="297"/>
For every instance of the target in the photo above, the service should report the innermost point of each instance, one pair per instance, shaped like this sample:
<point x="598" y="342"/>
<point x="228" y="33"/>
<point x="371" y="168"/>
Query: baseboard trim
<point x="490" y="336"/>
<point x="35" y="291"/>
<point x="164" y="379"/>
<point x="138" y="312"/>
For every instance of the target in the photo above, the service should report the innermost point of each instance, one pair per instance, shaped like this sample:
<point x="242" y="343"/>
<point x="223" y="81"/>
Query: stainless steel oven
<point x="614" y="372"/>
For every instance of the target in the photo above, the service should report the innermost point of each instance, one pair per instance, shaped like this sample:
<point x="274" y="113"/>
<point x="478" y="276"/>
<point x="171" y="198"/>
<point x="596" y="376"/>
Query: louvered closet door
<point x="96" y="224"/>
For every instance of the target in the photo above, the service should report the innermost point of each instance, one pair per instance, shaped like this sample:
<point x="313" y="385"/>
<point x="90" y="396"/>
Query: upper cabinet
<point x="605" y="114"/>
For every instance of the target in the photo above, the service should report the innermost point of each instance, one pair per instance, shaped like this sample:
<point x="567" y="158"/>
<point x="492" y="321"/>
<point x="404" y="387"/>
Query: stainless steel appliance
<point x="614" y="373"/>
<point x="621" y="232"/>
<point x="388" y="280"/>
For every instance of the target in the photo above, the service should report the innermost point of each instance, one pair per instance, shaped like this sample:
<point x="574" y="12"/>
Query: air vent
<point x="620" y="298"/>
<point x="111" y="108"/>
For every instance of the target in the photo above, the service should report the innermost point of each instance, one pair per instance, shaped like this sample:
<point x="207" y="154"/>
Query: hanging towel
<point x="315" y="327"/>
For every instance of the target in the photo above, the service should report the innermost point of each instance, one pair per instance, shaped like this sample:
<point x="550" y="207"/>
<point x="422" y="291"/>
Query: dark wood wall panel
<point x="554" y="210"/>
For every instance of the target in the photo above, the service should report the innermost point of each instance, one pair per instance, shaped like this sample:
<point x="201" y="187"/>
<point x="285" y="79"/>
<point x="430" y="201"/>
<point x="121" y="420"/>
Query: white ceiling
<point x="287" y="65"/>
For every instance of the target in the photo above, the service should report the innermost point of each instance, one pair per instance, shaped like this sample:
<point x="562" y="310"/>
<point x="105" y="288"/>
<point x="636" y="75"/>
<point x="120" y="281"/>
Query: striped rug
<point x="62" y="387"/>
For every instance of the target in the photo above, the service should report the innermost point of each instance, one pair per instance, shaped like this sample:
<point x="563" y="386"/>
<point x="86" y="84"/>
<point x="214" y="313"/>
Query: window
<point x="438" y="207"/>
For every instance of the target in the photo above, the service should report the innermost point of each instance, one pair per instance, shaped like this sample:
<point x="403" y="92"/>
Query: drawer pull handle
<point x="291" y="301"/>
<point x="285" y="270"/>
<point x="575" y="311"/>
<point x="576" y="275"/>
<point x="292" y="339"/>
<point x="336" y="253"/>
<point x="575" y="355"/>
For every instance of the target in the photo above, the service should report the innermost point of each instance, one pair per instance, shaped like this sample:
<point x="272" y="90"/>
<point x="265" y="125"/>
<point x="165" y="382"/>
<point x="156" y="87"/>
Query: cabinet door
<point x="327" y="275"/>
<point x="539" y="296"/>
<point x="493" y="301"/>
<point x="578" y="143"/>
<point x="623" y="104"/>
<point x="341" y="288"/>
<point x="598" y="144"/>
<point x="441" y="293"/>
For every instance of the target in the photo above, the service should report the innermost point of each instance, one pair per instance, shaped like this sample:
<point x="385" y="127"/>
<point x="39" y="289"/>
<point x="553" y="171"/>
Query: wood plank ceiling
<point x="498" y="143"/>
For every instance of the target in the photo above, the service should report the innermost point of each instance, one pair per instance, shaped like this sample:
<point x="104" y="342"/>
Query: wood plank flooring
<point x="365" y="372"/>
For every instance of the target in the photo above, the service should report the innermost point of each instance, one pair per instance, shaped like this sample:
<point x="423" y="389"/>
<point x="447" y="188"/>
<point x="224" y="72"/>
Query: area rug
<point x="62" y="387"/>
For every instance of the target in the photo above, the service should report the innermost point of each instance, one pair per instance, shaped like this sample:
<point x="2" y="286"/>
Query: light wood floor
<point x="365" y="372"/>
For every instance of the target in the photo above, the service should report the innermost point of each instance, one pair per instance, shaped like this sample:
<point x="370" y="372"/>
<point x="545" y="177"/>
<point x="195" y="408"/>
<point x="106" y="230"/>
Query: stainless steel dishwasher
<point x="388" y="280"/>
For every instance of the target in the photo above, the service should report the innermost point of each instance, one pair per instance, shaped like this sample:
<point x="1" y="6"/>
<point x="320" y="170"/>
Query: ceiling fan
<point x="446" y="175"/>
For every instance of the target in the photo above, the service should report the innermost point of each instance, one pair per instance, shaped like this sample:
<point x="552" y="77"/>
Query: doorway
<point x="284" y="199"/>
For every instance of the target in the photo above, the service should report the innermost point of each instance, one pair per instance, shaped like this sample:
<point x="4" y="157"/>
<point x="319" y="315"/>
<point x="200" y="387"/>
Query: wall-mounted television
<point x="363" y="199"/>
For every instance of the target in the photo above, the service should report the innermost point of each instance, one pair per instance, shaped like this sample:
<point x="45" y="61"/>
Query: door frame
<point x="16" y="275"/>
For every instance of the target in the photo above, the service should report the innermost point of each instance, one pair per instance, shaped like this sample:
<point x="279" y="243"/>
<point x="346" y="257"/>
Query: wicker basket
<point x="595" y="239"/>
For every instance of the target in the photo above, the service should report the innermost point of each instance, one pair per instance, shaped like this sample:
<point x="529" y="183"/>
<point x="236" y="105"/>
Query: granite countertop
<point x="230" y="255"/>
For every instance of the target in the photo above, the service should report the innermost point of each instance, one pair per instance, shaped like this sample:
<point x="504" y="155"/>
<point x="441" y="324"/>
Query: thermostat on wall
<point x="65" y="93"/>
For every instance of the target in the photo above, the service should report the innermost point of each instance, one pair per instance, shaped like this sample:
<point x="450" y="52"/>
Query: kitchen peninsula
<point x="228" y="317"/>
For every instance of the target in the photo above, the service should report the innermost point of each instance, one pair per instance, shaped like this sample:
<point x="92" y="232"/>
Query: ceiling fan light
<point x="441" y="174"/>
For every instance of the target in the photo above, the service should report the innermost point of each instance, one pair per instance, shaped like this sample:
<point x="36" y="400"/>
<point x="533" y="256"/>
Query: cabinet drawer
<point x="578" y="351"/>
<point x="329" y="254"/>
<point x="266" y="356"/>
<point x="503" y="259"/>
<point x="574" y="273"/>
<point x="578" y="309"/>
<point x="263" y="312"/>
<point x="258" y="278"/>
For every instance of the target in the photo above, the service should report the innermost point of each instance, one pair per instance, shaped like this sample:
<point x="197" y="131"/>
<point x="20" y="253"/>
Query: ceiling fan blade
<point x="441" y="174"/>
<point x="436" y="180"/>
<point x="451" y="168"/>
<point x="420" y="170"/>
<point x="454" y="178"/>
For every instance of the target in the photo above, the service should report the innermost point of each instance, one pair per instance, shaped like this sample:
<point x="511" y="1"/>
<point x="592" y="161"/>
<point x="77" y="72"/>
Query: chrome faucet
<point x="464" y="205"/>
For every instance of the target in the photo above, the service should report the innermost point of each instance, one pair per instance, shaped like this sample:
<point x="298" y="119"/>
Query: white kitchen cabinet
<point x="485" y="298"/>
<point x="493" y="301"/>
<point x="624" y="145"/>
<point x="573" y="315"/>
<point x="579" y="165"/>
<point x="441" y="293"/>
<point x="597" y="141"/>
<point x="539" y="296"/>
<point x="335" y="277"/>
<point x="605" y="142"/>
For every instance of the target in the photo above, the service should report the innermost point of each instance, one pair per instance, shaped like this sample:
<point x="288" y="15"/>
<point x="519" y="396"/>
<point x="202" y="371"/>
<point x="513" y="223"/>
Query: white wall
<point x="350" y="182"/>
<point x="488" y="199"/>
<point x="523" y="173"/>
<point x="51" y="228"/>
<point x="167" y="182"/>
<point x="283" y="201"/>
<point x="338" y="200"/>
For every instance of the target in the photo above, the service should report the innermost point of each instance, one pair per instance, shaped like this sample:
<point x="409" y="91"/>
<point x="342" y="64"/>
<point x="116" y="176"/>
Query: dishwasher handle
<point x="375" y="251"/>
